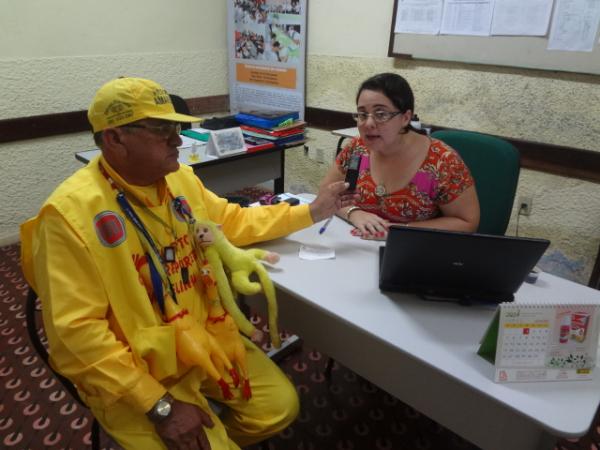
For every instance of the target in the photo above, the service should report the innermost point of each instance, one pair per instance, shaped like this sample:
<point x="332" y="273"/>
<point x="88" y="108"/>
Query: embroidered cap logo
<point x="161" y="97"/>
<point x="117" y="111"/>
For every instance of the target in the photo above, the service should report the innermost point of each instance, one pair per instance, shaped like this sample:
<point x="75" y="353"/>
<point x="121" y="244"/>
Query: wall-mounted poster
<point x="267" y="55"/>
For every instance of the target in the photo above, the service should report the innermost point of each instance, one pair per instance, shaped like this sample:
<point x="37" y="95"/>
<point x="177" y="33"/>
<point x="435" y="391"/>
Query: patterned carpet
<point x="343" y="413"/>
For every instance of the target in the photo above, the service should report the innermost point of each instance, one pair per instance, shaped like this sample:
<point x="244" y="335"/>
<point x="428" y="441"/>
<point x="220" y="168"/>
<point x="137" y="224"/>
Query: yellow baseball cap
<point x="127" y="100"/>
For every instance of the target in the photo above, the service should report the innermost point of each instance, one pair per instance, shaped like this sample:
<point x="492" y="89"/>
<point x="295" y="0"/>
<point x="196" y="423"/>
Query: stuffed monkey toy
<point x="221" y="254"/>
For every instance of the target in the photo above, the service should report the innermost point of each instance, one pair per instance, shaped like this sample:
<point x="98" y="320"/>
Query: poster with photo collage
<point x="267" y="55"/>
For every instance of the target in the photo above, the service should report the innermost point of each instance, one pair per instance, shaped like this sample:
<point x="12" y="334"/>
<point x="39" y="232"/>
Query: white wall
<point x="54" y="55"/>
<point x="348" y="41"/>
<point x="43" y="29"/>
<point x="350" y="28"/>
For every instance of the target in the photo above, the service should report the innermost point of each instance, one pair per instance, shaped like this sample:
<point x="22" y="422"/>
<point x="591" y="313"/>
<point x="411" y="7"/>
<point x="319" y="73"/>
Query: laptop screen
<point x="450" y="265"/>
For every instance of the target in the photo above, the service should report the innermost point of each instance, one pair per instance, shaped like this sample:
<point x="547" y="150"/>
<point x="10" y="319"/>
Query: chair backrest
<point x="181" y="107"/>
<point x="36" y="341"/>
<point x="494" y="164"/>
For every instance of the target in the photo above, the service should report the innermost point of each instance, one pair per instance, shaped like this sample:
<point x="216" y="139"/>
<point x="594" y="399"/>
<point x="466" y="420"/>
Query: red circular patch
<point x="110" y="228"/>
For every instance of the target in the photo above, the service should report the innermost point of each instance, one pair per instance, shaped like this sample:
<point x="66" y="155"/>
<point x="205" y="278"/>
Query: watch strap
<point x="156" y="413"/>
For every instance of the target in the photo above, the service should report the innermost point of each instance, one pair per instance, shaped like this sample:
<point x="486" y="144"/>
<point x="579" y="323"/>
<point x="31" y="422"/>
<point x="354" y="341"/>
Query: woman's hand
<point x="368" y="225"/>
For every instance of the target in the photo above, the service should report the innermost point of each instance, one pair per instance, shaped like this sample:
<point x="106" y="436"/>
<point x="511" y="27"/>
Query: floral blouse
<point x="442" y="177"/>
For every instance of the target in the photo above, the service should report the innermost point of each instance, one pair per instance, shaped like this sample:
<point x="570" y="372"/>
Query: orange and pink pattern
<point x="442" y="177"/>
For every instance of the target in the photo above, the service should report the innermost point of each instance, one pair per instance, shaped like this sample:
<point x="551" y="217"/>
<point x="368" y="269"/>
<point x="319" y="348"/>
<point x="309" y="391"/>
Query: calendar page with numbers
<point x="542" y="342"/>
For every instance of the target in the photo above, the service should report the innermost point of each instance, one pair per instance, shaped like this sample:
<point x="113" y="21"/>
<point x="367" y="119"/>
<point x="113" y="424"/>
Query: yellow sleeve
<point x="83" y="347"/>
<point x="244" y="226"/>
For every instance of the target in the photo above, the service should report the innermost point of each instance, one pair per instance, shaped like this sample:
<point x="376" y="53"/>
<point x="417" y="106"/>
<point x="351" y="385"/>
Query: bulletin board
<point x="514" y="51"/>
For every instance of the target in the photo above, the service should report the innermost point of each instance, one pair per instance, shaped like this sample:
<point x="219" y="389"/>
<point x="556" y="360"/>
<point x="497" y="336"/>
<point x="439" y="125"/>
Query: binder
<point x="267" y="118"/>
<point x="277" y="132"/>
<point x="271" y="137"/>
<point x="254" y="144"/>
<point x="204" y="137"/>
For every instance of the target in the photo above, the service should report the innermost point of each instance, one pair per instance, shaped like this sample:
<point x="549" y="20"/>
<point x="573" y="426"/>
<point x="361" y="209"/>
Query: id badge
<point x="169" y="254"/>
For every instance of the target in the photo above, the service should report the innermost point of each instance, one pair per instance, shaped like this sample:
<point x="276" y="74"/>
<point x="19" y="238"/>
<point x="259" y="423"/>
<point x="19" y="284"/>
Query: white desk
<point x="344" y="133"/>
<point x="223" y="175"/>
<point x="423" y="352"/>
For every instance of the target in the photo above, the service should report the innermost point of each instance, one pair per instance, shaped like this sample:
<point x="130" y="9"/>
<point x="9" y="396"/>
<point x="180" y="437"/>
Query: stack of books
<point x="265" y="129"/>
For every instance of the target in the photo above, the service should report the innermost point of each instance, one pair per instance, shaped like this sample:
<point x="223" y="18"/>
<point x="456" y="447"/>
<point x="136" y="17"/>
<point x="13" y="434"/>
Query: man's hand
<point x="184" y="428"/>
<point x="331" y="198"/>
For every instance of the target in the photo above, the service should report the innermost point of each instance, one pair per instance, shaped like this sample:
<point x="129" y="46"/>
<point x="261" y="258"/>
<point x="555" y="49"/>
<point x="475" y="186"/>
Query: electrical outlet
<point x="309" y="152"/>
<point x="314" y="153"/>
<point x="319" y="157"/>
<point x="525" y="205"/>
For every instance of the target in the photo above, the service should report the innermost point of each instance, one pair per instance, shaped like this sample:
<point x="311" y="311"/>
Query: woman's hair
<point x="394" y="87"/>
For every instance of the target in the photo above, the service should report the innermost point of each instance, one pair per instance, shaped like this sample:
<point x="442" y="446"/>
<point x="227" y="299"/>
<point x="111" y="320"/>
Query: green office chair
<point x="494" y="164"/>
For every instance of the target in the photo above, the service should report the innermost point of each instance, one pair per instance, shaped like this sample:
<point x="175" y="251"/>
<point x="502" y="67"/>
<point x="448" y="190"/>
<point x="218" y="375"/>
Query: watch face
<point x="163" y="408"/>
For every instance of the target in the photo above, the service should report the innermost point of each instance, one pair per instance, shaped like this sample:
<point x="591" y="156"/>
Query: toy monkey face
<point x="204" y="236"/>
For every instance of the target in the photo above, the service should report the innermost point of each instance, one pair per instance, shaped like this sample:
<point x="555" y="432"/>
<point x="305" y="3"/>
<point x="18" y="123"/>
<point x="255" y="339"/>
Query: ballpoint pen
<point x="325" y="225"/>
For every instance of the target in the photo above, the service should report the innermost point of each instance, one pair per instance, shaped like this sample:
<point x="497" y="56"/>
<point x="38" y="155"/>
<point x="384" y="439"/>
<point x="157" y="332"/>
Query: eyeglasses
<point x="164" y="130"/>
<point x="378" y="116"/>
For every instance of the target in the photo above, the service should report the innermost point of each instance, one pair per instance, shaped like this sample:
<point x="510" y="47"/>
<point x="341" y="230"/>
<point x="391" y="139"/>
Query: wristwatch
<point x="161" y="409"/>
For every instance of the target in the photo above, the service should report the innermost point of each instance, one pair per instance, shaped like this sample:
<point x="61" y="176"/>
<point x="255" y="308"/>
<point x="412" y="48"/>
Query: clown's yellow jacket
<point x="82" y="256"/>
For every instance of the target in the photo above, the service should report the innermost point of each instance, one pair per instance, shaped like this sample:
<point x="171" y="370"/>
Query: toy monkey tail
<point x="269" y="291"/>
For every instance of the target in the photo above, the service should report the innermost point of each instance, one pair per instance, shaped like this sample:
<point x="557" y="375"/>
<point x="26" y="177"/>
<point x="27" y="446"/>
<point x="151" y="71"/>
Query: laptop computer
<point x="456" y="266"/>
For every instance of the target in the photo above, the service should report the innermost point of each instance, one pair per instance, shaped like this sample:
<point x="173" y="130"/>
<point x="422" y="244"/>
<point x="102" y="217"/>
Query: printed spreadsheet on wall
<point x="538" y="34"/>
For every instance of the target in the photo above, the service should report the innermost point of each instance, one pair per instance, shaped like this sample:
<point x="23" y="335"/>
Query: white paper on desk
<point x="201" y="130"/>
<point x="518" y="17"/>
<point x="194" y="154"/>
<point x="574" y="25"/>
<point x="419" y="16"/>
<point x="186" y="141"/>
<point x="315" y="252"/>
<point x="467" y="17"/>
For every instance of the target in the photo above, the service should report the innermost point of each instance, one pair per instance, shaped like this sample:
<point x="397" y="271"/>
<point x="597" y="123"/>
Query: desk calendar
<point x="542" y="342"/>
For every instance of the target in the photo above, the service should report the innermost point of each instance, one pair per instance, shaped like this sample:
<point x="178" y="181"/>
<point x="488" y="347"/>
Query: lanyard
<point x="156" y="263"/>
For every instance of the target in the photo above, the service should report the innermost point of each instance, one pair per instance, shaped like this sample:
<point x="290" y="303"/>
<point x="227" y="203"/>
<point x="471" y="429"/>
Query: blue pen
<point x="325" y="225"/>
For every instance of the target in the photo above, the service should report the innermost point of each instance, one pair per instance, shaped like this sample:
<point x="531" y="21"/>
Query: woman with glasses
<point x="404" y="177"/>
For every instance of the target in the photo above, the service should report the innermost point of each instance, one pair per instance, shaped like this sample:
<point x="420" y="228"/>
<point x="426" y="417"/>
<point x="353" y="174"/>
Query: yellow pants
<point x="273" y="406"/>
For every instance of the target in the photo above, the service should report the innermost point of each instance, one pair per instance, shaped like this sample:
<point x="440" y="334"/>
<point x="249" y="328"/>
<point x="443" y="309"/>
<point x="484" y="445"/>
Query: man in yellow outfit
<point x="85" y="255"/>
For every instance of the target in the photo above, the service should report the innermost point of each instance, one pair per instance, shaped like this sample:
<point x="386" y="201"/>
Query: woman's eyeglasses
<point x="378" y="116"/>
<point x="164" y="130"/>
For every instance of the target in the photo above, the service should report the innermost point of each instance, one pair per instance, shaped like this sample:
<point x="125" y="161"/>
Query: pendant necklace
<point x="380" y="190"/>
<point x="170" y="251"/>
